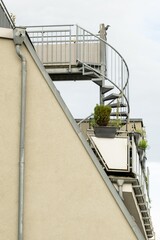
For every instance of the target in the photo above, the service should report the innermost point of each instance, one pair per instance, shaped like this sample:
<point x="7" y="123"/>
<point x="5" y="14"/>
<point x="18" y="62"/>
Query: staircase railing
<point x="116" y="69"/>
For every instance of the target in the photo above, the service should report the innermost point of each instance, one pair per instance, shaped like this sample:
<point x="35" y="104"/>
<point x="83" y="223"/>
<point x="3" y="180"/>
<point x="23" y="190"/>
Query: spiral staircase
<point x="70" y="52"/>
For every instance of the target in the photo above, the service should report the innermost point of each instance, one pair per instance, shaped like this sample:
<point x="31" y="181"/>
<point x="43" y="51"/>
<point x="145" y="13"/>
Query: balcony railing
<point x="125" y="159"/>
<point x="128" y="164"/>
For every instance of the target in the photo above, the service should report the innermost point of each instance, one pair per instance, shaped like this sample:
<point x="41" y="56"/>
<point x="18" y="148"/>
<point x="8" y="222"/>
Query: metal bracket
<point x="19" y="35"/>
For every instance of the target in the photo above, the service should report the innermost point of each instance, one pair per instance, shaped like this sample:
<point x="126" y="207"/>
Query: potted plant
<point x="142" y="146"/>
<point x="138" y="134"/>
<point x="101" y="121"/>
<point x="115" y="123"/>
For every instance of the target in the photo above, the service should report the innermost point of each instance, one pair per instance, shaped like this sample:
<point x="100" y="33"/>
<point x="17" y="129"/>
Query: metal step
<point x="89" y="73"/>
<point x="144" y="211"/>
<point x="146" y="218"/>
<point x="78" y="63"/>
<point x="122" y="114"/>
<point x="98" y="81"/>
<point x="142" y="204"/>
<point x="149" y="235"/>
<point x="106" y="89"/>
<point x="91" y="64"/>
<point x="147" y="224"/>
<point x="115" y="105"/>
<point x="140" y="195"/>
<point x="111" y="97"/>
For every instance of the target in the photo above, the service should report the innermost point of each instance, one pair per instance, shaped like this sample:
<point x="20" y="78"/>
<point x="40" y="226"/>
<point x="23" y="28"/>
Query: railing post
<point x="42" y="46"/>
<point x="70" y="51"/>
<point x="83" y="46"/>
<point x="77" y="57"/>
<point x="102" y="58"/>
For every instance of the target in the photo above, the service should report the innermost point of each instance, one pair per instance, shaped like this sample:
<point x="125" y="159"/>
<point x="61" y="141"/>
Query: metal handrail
<point x="121" y="92"/>
<point x="110" y="47"/>
<point x="120" y="82"/>
<point x="79" y="123"/>
<point x="59" y="25"/>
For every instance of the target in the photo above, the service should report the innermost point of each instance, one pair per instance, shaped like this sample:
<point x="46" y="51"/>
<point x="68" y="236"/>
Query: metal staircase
<point x="70" y="52"/>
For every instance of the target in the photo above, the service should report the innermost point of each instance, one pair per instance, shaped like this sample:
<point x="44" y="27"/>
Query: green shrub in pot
<point x="102" y="115"/>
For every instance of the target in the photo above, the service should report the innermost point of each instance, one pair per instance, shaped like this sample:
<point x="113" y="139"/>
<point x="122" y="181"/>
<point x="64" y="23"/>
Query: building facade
<point x="53" y="183"/>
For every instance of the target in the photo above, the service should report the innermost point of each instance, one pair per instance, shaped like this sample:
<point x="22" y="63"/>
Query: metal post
<point x="102" y="58"/>
<point x="83" y="48"/>
<point x="42" y="44"/>
<point x="70" y="51"/>
<point x="77" y="43"/>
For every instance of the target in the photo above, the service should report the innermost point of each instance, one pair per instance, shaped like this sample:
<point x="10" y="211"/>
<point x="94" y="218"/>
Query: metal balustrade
<point x="137" y="173"/>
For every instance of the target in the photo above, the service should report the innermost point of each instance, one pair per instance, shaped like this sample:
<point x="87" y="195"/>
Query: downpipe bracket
<point x="19" y="35"/>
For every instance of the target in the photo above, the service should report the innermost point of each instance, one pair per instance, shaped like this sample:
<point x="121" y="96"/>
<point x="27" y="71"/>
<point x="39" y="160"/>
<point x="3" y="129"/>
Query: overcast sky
<point x="135" y="33"/>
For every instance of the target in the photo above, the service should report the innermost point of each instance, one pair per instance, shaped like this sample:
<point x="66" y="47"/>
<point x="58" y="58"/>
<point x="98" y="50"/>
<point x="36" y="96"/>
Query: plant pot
<point x="105" y="132"/>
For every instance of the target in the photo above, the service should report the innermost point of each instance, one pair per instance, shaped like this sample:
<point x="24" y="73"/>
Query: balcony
<point x="125" y="165"/>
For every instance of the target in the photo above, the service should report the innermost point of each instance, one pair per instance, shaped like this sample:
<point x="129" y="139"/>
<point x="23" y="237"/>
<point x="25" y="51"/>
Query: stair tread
<point x="89" y="73"/>
<point x="116" y="105"/>
<point x="106" y="89"/>
<point x="98" y="81"/>
<point x="123" y="114"/>
<point x="111" y="97"/>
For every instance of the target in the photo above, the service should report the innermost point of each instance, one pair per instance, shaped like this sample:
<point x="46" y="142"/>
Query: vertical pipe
<point x="18" y="39"/>
<point x="22" y="142"/>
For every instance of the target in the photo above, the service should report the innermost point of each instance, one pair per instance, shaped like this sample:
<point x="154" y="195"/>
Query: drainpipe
<point x="19" y="35"/>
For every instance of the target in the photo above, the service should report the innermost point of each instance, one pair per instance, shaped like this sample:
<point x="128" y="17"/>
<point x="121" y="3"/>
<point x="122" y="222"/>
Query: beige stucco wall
<point x="65" y="196"/>
<point x="9" y="138"/>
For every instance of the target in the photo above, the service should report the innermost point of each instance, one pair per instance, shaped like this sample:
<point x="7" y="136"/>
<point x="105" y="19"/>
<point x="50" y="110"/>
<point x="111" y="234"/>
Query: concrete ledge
<point x="6" y="33"/>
